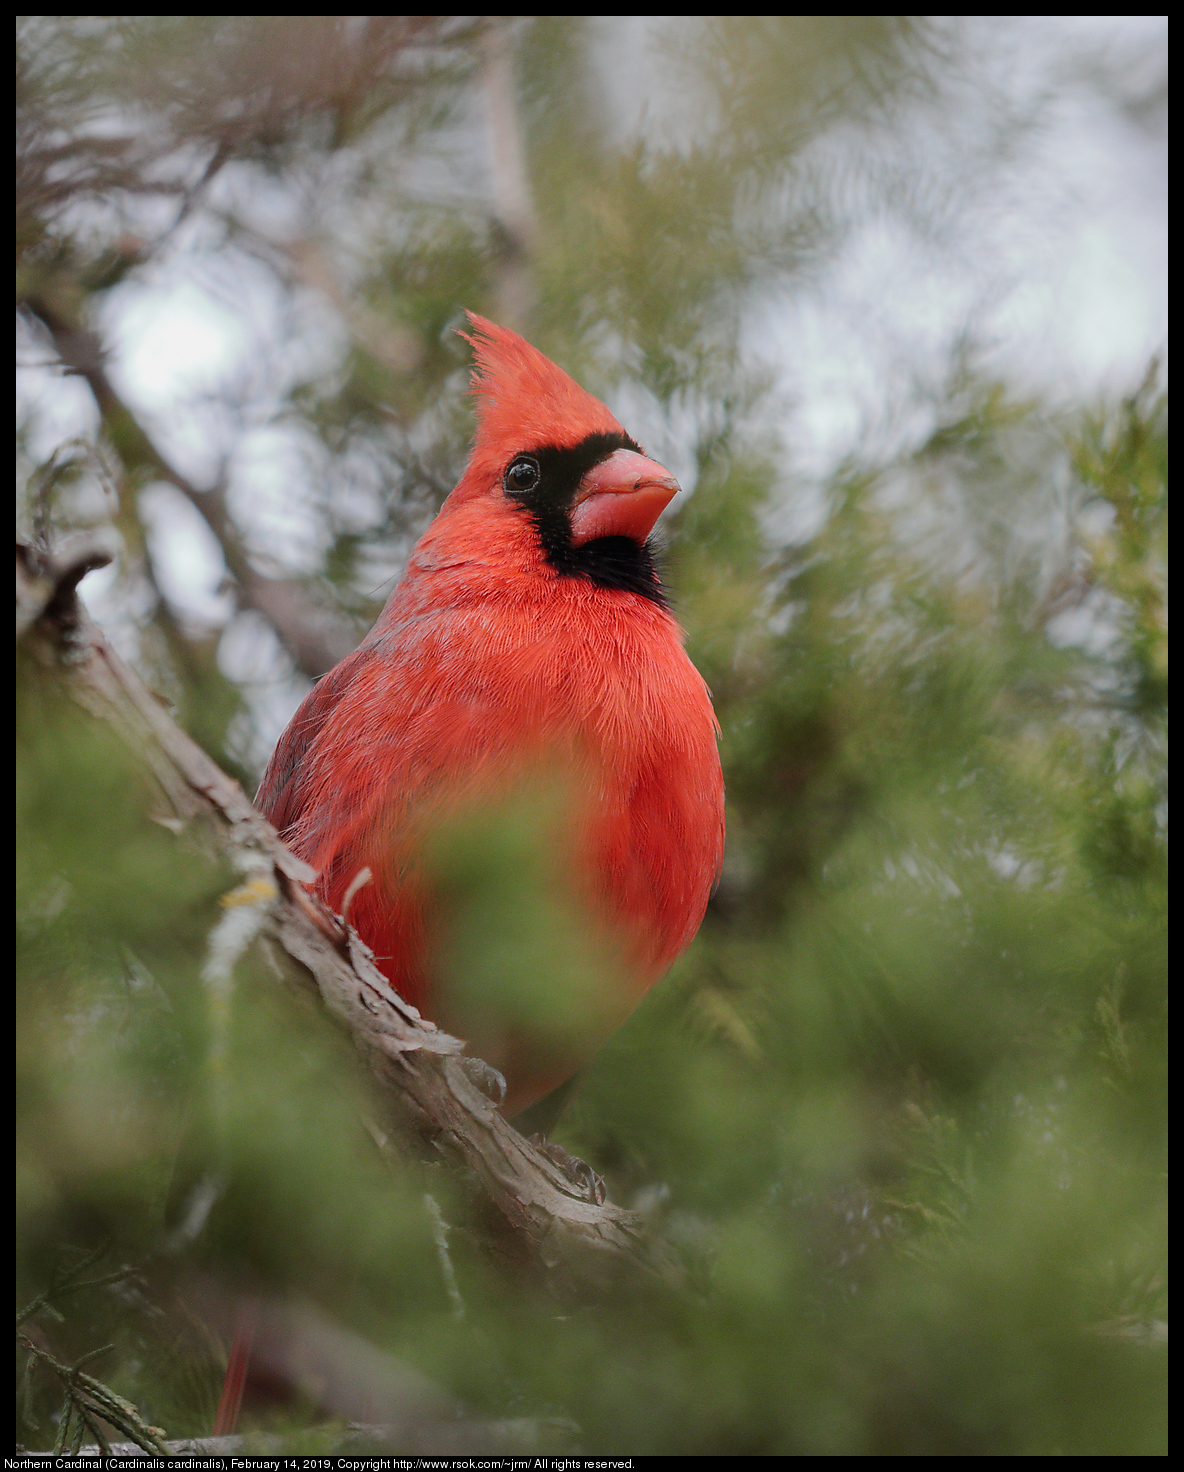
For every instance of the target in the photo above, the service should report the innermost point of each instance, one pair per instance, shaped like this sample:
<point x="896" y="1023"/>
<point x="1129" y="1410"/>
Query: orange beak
<point x="623" y="496"/>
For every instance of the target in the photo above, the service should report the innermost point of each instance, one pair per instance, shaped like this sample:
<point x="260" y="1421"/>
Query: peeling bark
<point x="537" y="1213"/>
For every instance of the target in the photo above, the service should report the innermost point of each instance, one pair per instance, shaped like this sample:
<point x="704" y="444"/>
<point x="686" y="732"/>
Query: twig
<point x="441" y="1438"/>
<point x="88" y="1399"/>
<point x="67" y="1283"/>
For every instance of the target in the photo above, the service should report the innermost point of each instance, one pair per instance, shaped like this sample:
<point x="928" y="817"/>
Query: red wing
<point x="281" y="794"/>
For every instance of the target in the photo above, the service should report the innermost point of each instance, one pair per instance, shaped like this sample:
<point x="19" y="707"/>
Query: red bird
<point x="529" y="639"/>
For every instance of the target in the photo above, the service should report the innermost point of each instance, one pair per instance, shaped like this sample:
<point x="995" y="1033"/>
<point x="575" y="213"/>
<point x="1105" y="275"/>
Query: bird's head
<point x="551" y="461"/>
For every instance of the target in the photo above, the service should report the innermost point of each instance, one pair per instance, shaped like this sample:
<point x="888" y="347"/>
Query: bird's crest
<point x="524" y="400"/>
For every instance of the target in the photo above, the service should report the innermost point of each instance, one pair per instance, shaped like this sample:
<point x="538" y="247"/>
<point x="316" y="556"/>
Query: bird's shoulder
<point x="279" y="795"/>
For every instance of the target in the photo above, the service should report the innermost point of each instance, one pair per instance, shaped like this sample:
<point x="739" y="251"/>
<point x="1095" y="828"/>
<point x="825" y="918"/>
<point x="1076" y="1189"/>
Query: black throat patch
<point x="609" y="562"/>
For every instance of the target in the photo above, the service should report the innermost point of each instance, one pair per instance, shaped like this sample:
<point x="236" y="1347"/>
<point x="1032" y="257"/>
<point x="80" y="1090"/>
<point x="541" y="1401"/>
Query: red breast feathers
<point x="530" y="636"/>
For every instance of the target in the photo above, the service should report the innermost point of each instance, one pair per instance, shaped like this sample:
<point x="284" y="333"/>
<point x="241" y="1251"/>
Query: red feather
<point x="487" y="668"/>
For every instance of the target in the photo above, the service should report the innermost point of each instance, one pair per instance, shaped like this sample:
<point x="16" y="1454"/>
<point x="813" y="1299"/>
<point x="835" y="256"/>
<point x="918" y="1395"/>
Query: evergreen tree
<point x="901" y="1108"/>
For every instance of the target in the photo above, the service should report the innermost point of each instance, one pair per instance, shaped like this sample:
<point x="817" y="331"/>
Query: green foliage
<point x="131" y="1139"/>
<point x="902" y="1104"/>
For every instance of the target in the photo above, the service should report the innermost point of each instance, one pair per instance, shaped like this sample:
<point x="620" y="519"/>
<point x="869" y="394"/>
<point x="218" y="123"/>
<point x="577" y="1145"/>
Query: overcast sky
<point x="1056" y="258"/>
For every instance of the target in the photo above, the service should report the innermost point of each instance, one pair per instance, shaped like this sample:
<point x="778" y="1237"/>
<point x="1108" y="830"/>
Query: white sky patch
<point x="1087" y="305"/>
<point x="1056" y="264"/>
<point x="273" y="489"/>
<point x="186" y="555"/>
<point x="53" y="406"/>
<point x="849" y="349"/>
<point x="150" y="324"/>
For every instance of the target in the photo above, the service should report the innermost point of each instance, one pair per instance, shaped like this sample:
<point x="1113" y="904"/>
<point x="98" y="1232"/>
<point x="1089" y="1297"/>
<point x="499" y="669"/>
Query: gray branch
<point x="541" y="1215"/>
<point x="314" y="637"/>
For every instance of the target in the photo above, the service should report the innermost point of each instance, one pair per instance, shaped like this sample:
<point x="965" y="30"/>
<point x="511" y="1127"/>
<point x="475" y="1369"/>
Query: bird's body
<point x="528" y="643"/>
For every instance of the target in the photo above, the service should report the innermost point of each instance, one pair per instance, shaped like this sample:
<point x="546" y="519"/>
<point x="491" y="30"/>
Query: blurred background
<point x="888" y="294"/>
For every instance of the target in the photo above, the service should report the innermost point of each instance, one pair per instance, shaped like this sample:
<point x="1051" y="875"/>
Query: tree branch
<point x="514" y="221"/>
<point x="540" y="1215"/>
<point x="311" y="635"/>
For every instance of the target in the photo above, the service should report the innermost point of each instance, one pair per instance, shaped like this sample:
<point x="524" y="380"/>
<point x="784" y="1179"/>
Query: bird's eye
<point x="523" y="475"/>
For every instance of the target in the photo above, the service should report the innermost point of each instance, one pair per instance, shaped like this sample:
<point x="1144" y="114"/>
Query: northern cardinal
<point x="529" y="642"/>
